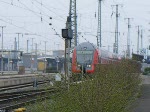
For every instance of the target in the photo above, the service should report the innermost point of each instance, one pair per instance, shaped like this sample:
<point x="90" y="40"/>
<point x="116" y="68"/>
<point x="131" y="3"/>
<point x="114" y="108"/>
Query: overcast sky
<point x="32" y="17"/>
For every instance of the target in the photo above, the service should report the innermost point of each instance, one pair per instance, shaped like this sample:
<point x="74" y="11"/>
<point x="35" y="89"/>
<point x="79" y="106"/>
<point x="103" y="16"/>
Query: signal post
<point x="67" y="35"/>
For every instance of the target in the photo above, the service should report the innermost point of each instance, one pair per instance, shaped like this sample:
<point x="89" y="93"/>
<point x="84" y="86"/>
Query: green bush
<point x="112" y="89"/>
<point x="146" y="71"/>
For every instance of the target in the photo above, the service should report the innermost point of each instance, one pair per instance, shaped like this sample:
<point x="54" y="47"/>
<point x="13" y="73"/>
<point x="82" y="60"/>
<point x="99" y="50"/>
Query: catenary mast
<point x="70" y="35"/>
<point x="73" y="22"/>
<point x="99" y="43"/>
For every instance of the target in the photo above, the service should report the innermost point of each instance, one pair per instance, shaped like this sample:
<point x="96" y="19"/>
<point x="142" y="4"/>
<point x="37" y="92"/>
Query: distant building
<point x="13" y="60"/>
<point x="10" y="60"/>
<point x="29" y="61"/>
<point x="58" y="53"/>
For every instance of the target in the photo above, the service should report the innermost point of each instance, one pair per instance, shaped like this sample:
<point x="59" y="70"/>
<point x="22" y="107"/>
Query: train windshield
<point x="84" y="57"/>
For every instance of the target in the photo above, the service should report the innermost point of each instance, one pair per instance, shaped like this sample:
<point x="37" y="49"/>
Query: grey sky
<point x="30" y="16"/>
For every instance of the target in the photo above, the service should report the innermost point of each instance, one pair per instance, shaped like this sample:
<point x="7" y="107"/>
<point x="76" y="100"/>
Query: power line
<point x="37" y="15"/>
<point x="49" y="9"/>
<point x="15" y="25"/>
<point x="32" y="32"/>
<point x="26" y="9"/>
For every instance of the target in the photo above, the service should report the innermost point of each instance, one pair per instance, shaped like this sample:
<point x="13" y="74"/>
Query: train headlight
<point x="79" y="65"/>
<point x="89" y="66"/>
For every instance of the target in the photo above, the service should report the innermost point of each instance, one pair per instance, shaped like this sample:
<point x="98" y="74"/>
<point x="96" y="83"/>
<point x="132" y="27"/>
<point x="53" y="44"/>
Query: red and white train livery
<point x="86" y="56"/>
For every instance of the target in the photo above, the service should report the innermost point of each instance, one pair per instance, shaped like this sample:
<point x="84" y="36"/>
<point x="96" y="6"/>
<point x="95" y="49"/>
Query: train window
<point x="84" y="52"/>
<point x="84" y="56"/>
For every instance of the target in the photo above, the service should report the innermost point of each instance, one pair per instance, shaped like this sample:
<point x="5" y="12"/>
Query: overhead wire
<point x="49" y="9"/>
<point x="102" y="39"/>
<point x="28" y="30"/>
<point x="46" y="22"/>
<point x="15" y="25"/>
<point x="38" y="14"/>
<point x="60" y="2"/>
<point x="106" y="42"/>
<point x="27" y="8"/>
<point x="35" y="13"/>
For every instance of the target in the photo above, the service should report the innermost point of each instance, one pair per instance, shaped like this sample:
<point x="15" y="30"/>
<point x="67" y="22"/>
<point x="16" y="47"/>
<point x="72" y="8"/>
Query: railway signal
<point x="67" y="34"/>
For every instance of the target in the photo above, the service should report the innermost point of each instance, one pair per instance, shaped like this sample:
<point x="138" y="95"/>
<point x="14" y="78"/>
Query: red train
<point x="86" y="56"/>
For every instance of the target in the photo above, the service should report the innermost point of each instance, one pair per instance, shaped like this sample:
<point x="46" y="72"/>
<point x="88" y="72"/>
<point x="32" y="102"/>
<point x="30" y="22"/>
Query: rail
<point x="21" y="98"/>
<point x="4" y="88"/>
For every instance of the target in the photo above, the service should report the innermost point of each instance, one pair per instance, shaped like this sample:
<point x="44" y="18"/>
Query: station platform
<point x="9" y="80"/>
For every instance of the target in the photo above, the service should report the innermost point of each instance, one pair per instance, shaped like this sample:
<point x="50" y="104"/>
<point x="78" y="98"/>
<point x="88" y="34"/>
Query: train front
<point x="83" y="58"/>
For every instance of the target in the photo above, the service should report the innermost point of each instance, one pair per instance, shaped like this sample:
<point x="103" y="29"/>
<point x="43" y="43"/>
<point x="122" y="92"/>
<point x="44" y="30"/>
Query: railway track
<point x="5" y="88"/>
<point x="14" y="100"/>
<point x="17" y="95"/>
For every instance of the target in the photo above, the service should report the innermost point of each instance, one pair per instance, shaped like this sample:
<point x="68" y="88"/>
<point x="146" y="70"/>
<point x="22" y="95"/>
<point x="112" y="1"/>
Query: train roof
<point x="86" y="45"/>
